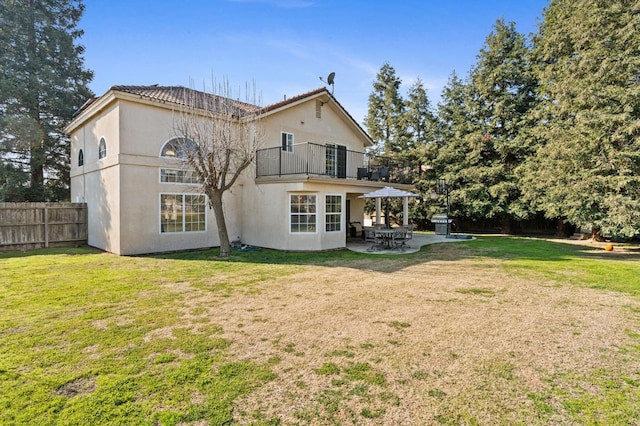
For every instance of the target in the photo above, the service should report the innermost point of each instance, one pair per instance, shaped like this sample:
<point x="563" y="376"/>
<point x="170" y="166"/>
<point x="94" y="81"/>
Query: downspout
<point x="84" y="151"/>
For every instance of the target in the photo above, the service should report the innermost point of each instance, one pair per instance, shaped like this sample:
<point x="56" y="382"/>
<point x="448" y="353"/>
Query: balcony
<point x="333" y="161"/>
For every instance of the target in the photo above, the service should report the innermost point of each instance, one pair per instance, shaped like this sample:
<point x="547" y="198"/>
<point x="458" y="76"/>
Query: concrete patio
<point x="412" y="246"/>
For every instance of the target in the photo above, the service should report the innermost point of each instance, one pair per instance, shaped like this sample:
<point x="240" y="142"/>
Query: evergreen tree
<point x="385" y="114"/>
<point x="484" y="146"/>
<point x="420" y="126"/>
<point x="587" y="169"/>
<point x="453" y="116"/>
<point x="42" y="84"/>
<point x="418" y="122"/>
<point x="455" y="127"/>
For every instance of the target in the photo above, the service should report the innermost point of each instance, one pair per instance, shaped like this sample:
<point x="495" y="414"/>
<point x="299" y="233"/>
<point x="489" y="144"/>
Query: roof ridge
<point x="293" y="99"/>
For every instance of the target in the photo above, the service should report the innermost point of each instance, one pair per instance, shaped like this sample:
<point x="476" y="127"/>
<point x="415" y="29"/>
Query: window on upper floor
<point x="80" y="158"/>
<point x="178" y="148"/>
<point x="287" y="142"/>
<point x="336" y="160"/>
<point x="178" y="176"/>
<point x="102" y="148"/>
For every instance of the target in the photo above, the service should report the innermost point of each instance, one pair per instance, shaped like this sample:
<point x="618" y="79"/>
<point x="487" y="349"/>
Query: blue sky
<point x="285" y="45"/>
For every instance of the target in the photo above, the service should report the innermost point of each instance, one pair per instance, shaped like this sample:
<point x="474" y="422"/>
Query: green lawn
<point x="91" y="338"/>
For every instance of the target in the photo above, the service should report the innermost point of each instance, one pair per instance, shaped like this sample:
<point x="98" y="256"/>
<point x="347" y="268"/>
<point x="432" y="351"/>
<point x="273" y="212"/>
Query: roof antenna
<point x="330" y="80"/>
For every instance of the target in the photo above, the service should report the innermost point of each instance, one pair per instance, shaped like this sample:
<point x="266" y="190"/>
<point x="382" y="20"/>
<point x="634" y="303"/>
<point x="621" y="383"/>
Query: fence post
<point x="46" y="227"/>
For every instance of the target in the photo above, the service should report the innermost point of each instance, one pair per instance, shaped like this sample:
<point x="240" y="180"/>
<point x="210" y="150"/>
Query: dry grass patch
<point x="494" y="331"/>
<point x="452" y="340"/>
<point x="77" y="387"/>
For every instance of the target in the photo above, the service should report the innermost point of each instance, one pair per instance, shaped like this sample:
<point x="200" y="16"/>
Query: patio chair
<point x="409" y="232"/>
<point x="399" y="237"/>
<point x="369" y="234"/>
<point x="384" y="174"/>
<point x="355" y="229"/>
<point x="363" y="173"/>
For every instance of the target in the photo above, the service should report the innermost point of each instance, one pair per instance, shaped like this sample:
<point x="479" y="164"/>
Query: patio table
<point x="384" y="237"/>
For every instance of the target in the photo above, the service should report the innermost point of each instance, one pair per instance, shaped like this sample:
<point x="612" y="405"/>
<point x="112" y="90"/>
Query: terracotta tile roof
<point x="180" y="95"/>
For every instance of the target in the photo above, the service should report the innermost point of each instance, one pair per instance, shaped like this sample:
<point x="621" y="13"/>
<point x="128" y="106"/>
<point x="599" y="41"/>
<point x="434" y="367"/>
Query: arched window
<point x="177" y="148"/>
<point x="80" y="158"/>
<point x="102" y="148"/>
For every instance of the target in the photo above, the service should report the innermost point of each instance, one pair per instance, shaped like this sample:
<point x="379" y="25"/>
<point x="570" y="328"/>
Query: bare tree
<point x="219" y="138"/>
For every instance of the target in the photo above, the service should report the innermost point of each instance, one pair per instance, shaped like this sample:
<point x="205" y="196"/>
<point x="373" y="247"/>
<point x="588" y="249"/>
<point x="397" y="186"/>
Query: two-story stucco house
<point x="301" y="193"/>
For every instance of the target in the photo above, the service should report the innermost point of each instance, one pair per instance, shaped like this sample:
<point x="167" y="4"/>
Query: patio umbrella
<point x="388" y="192"/>
<point x="391" y="192"/>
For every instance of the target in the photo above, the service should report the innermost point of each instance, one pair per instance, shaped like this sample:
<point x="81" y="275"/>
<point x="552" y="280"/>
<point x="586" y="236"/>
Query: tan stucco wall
<point x="266" y="221"/>
<point x="306" y="127"/>
<point x="97" y="182"/>
<point x="144" y="129"/>
<point x="122" y="191"/>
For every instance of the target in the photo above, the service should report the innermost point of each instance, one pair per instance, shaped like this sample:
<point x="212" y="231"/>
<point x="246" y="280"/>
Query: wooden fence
<point x="26" y="226"/>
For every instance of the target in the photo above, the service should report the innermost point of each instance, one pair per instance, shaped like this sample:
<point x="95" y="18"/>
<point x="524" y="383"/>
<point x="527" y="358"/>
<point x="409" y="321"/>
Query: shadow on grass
<point x="69" y="251"/>
<point x="522" y="248"/>
<point x="484" y="247"/>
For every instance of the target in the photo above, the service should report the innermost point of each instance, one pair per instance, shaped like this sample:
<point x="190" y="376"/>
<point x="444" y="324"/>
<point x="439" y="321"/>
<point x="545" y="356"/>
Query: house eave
<point x="98" y="105"/>
<point x="326" y="180"/>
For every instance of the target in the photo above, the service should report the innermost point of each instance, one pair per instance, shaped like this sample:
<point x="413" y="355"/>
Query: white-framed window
<point x="333" y="213"/>
<point x="287" y="141"/>
<point x="178" y="176"/>
<point x="182" y="213"/>
<point x="177" y="148"/>
<point x="102" y="149"/>
<point x="302" y="213"/>
<point x="80" y="158"/>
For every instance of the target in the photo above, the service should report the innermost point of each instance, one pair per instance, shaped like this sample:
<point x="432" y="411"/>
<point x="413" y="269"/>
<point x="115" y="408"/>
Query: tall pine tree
<point x="42" y="83"/>
<point x="385" y="114"/>
<point x="418" y="121"/>
<point x="588" y="168"/>
<point x="420" y="126"/>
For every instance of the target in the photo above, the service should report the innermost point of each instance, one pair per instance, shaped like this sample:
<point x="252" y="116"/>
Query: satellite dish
<point x="330" y="78"/>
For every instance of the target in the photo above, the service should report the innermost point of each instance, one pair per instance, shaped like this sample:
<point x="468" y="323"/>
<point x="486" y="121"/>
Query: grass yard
<point x="498" y="330"/>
